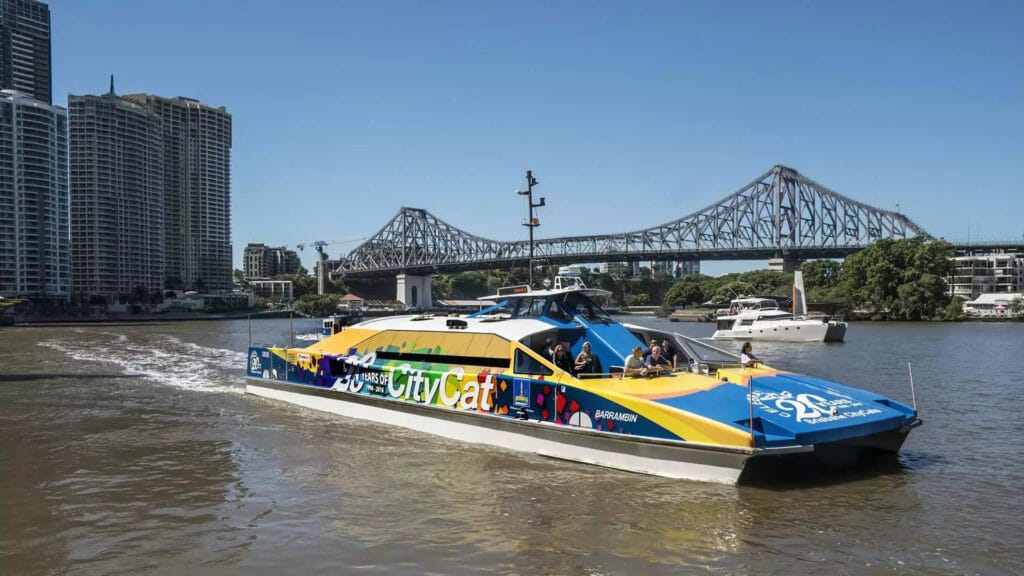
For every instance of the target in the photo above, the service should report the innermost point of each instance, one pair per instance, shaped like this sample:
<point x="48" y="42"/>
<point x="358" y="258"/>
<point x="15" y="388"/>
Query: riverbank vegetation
<point x="891" y="279"/>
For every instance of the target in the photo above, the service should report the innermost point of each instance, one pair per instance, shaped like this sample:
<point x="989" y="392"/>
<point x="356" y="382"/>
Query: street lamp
<point x="532" y="222"/>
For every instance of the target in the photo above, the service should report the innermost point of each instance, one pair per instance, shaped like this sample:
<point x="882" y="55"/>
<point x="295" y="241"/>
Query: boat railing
<point x="837" y="317"/>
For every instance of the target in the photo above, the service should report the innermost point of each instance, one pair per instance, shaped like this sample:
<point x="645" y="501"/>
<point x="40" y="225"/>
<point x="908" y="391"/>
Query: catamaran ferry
<point x="487" y="378"/>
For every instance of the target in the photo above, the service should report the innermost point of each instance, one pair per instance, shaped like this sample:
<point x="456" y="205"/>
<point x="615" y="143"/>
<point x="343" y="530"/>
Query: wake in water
<point x="163" y="359"/>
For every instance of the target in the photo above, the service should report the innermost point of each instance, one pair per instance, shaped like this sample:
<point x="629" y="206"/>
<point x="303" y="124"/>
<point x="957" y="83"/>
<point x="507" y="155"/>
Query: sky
<point x="630" y="113"/>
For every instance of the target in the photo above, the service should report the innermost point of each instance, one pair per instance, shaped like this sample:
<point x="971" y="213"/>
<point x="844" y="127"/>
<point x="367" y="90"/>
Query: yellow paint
<point x="634" y="394"/>
<point x="637" y="394"/>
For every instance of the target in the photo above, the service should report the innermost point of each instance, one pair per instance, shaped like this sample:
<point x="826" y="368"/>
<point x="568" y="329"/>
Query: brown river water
<point x="134" y="450"/>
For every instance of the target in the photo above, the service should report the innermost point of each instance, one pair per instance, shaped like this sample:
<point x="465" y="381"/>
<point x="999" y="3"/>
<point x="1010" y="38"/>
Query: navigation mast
<point x="533" y="222"/>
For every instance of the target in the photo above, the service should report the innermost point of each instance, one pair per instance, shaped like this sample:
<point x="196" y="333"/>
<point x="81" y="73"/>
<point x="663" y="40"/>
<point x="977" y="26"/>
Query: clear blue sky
<point x="630" y="114"/>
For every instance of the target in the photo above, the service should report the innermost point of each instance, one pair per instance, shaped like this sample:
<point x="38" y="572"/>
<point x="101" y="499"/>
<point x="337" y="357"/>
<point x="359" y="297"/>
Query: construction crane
<point x="319" y="246"/>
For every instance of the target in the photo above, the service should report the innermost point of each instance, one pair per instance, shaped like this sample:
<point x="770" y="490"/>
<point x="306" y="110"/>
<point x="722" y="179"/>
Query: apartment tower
<point x="117" y="197"/>
<point x="197" y="191"/>
<point x="25" y="48"/>
<point x="34" y="244"/>
<point x="262" y="261"/>
<point x="33" y="199"/>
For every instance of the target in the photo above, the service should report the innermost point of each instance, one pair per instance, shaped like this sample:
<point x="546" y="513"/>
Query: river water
<point x="133" y="449"/>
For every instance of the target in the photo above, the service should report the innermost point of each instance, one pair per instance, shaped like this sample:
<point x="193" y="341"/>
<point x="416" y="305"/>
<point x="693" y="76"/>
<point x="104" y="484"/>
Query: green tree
<point x="441" y="286"/>
<point x="821" y="273"/>
<point x="239" y="278"/>
<point x="472" y="284"/>
<point x="732" y="290"/>
<point x="954" y="310"/>
<point x="1017" y="305"/>
<point x="686" y="291"/>
<point x="139" y="294"/>
<point x="317" y="305"/>
<point x="899" y="278"/>
<point x="302" y="285"/>
<point x="638" y="299"/>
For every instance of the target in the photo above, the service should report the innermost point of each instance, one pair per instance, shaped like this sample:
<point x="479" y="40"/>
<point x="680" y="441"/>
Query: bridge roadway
<point x="781" y="214"/>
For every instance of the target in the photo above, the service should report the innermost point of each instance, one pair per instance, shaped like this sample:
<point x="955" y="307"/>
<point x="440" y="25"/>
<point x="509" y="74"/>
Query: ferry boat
<point x="761" y="319"/>
<point x="485" y="378"/>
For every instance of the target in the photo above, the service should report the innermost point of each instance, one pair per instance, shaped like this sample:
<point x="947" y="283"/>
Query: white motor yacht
<point x="761" y="319"/>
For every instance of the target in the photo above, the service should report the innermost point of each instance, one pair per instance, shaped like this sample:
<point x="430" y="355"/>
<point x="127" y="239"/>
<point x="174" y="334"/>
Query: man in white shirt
<point x="633" y="365"/>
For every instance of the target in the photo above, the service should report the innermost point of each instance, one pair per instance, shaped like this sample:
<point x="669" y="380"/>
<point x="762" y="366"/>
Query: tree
<point x="317" y="305"/>
<point x="139" y="294"/>
<point x="685" y="291"/>
<point x="732" y="290"/>
<point x="1017" y="305"/>
<point x="821" y="273"/>
<point x="303" y="285"/>
<point x="899" y="278"/>
<point x="441" y="286"/>
<point x="638" y="299"/>
<point x="472" y="284"/>
<point x="954" y="310"/>
<point x="239" y="278"/>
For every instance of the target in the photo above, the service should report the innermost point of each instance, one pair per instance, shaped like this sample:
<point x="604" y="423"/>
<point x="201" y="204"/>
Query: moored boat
<point x="762" y="319"/>
<point x="486" y="378"/>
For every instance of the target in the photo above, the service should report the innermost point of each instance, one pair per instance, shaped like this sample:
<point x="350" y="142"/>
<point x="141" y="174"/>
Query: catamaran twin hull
<point x="681" y="425"/>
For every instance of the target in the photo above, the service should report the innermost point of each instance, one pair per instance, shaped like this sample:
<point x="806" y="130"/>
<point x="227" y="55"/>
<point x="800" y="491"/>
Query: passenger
<point x="651" y="346"/>
<point x="655" y="361"/>
<point x="585" y="361"/>
<point x="549" y="349"/>
<point x="561" y="359"/>
<point x="670" y="353"/>
<point x="747" y="358"/>
<point x="633" y="365"/>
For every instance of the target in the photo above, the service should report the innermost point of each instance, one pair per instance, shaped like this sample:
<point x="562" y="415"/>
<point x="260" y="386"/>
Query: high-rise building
<point x="985" y="273"/>
<point x="117" y="197"/>
<point x="33" y="199"/>
<point x="25" y="48"/>
<point x="262" y="261"/>
<point x="197" y="191"/>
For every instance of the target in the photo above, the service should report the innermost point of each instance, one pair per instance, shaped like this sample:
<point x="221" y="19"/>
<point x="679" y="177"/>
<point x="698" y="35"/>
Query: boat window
<point x="587" y="307"/>
<point x="526" y="364"/>
<point x="746" y="322"/>
<point x="555" y="311"/>
<point x="530" y="307"/>
<point x="704" y="352"/>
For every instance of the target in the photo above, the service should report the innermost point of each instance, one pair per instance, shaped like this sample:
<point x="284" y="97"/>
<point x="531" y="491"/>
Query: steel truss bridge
<point x="781" y="214"/>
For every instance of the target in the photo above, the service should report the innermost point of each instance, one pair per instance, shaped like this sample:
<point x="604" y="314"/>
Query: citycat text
<point x="452" y="388"/>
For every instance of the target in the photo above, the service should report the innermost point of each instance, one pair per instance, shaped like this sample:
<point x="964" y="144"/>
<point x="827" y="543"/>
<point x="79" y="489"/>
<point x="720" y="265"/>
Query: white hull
<point x="786" y="331"/>
<point x="530" y="439"/>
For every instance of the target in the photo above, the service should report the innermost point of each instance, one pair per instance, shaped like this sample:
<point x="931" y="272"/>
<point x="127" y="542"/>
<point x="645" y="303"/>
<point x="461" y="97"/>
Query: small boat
<point x="485" y="378"/>
<point x="761" y="319"/>
<point x="333" y="324"/>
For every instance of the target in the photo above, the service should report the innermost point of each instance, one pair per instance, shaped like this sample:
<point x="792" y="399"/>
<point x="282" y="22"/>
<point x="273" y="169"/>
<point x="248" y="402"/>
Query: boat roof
<point x="753" y="300"/>
<point x="513" y="329"/>
<point x="524" y="291"/>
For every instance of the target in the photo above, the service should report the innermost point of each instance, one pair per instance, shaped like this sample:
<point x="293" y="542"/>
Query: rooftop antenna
<point x="532" y="222"/>
<point x="111" y="85"/>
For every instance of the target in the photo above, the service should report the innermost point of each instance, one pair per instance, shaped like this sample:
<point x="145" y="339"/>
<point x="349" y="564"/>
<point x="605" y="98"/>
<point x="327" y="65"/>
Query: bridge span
<point x="780" y="214"/>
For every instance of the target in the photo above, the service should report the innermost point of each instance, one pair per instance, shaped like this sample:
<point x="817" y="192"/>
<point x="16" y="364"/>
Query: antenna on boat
<point x="532" y="222"/>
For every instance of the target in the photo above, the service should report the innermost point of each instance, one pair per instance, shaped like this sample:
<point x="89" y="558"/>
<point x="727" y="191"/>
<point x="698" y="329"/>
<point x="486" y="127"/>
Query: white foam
<point x="167" y="360"/>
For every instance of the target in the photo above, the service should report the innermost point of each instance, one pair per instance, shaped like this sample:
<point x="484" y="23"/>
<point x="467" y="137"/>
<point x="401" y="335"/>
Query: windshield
<point x="586" y="307"/>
